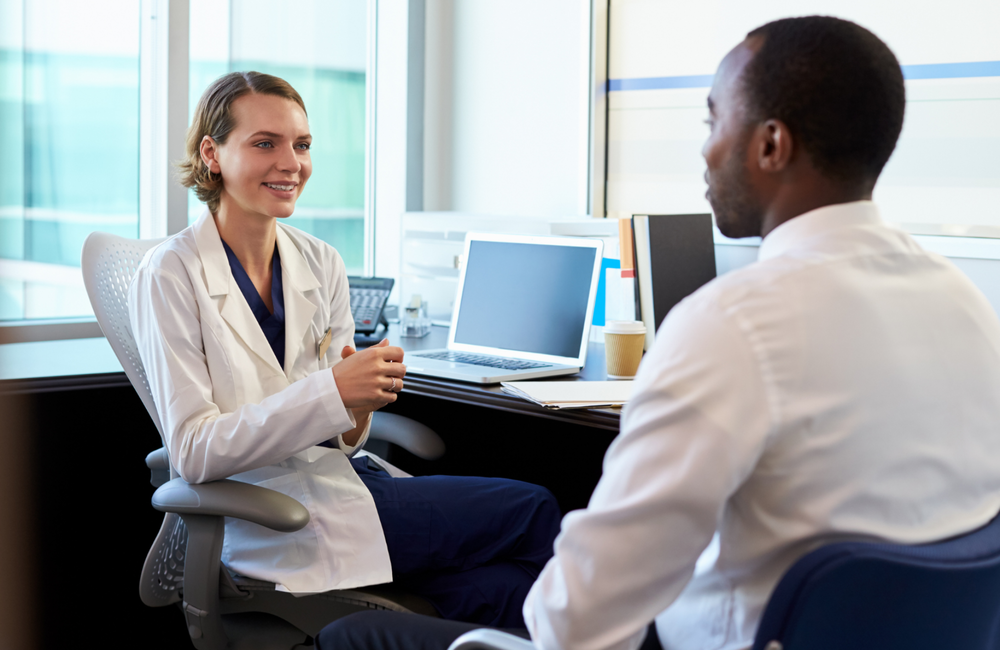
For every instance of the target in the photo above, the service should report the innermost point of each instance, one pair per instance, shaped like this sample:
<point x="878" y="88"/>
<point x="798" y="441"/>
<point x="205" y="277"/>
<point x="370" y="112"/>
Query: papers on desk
<point x="570" y="394"/>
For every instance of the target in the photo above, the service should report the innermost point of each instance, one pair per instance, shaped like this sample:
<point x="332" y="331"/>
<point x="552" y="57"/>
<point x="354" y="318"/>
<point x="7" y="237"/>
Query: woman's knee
<point x="389" y="631"/>
<point x="545" y="504"/>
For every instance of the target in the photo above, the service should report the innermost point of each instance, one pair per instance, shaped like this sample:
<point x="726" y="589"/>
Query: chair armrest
<point x="227" y="498"/>
<point x="158" y="463"/>
<point x="158" y="459"/>
<point x="416" y="438"/>
<point x="490" y="640"/>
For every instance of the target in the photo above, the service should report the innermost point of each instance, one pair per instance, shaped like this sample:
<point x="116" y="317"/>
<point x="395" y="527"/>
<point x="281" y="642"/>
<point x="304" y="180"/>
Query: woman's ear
<point x="209" y="154"/>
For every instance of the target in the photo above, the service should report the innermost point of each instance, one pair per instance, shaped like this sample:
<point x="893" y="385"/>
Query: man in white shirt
<point x="843" y="387"/>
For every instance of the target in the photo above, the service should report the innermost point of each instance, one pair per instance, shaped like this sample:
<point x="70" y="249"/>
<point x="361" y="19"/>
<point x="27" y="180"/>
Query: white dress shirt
<point x="843" y="387"/>
<point x="229" y="410"/>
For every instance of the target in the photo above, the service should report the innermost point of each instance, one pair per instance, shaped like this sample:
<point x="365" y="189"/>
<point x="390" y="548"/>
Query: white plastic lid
<point x="624" y="327"/>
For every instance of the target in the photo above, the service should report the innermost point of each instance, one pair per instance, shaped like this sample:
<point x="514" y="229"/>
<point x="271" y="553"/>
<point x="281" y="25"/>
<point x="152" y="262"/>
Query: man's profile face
<point x="738" y="212"/>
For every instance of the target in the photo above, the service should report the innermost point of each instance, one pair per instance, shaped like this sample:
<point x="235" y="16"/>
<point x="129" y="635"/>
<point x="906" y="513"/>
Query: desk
<point x="86" y="421"/>
<point x="73" y="364"/>
<point x="487" y="432"/>
<point x="490" y="395"/>
<point x="46" y="366"/>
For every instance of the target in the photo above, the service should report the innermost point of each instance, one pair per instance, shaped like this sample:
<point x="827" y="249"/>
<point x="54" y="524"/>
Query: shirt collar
<point x="296" y="272"/>
<point x="795" y="231"/>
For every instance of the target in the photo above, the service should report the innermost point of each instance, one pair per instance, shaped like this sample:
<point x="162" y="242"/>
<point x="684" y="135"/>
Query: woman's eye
<point x="305" y="146"/>
<point x="264" y="145"/>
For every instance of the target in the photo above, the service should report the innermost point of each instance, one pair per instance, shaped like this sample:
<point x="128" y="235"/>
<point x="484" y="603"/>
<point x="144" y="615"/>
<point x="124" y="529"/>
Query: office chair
<point x="870" y="596"/>
<point x="183" y="566"/>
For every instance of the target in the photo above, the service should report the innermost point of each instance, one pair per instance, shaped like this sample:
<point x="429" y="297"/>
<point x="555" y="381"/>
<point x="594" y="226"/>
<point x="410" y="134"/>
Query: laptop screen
<point x="526" y="297"/>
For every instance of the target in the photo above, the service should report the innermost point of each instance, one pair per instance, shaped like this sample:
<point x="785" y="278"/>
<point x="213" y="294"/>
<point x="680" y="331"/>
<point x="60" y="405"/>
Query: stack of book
<point x="665" y="258"/>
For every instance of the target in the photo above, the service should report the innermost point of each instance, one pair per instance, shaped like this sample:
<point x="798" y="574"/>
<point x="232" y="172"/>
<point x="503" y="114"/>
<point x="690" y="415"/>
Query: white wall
<point x="506" y="108"/>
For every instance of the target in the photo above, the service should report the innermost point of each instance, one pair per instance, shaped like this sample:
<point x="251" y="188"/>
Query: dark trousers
<point x="470" y="546"/>
<point x="396" y="631"/>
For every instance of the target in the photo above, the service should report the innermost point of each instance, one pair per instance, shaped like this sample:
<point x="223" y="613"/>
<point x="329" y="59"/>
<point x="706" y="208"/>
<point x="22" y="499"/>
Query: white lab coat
<point x="229" y="410"/>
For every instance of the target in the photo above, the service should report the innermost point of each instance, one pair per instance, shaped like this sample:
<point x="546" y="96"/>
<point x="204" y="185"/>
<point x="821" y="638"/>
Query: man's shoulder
<point x="857" y="260"/>
<point x="741" y="285"/>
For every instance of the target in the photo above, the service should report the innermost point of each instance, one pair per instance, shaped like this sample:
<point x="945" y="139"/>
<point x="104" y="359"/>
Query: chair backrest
<point x="885" y="596"/>
<point x="108" y="263"/>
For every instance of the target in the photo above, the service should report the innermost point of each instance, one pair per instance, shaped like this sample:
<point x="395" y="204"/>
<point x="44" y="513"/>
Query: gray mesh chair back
<point x="108" y="263"/>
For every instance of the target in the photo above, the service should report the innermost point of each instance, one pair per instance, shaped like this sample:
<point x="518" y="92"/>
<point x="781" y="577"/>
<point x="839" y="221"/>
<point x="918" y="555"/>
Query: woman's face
<point x="265" y="161"/>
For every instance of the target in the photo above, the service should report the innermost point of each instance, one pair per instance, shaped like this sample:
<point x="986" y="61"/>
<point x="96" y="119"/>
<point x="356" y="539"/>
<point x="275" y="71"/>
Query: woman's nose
<point x="289" y="160"/>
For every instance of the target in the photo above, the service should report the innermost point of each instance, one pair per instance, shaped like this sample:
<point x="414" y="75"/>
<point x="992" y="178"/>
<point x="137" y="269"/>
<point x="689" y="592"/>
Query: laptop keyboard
<point x="484" y="360"/>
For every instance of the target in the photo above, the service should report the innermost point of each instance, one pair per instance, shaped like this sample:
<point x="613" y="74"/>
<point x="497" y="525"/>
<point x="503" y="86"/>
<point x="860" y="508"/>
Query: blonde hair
<point x="214" y="117"/>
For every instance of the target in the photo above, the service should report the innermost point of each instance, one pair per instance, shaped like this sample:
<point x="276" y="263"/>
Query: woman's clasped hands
<point x="370" y="379"/>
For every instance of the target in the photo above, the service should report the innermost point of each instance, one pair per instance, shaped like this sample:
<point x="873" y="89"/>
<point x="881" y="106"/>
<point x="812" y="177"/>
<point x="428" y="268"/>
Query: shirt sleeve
<point x="204" y="443"/>
<point x="348" y="449"/>
<point x="690" y="436"/>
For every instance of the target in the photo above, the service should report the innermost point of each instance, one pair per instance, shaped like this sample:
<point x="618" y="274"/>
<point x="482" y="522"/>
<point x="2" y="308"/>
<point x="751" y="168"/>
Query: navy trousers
<point x="470" y="546"/>
<point x="397" y="631"/>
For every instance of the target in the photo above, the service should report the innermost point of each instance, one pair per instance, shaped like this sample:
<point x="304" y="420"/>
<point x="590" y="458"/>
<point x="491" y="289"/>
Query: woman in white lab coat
<point x="243" y="325"/>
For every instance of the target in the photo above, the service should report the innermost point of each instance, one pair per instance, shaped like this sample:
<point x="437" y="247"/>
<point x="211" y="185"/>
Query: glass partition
<point x="943" y="178"/>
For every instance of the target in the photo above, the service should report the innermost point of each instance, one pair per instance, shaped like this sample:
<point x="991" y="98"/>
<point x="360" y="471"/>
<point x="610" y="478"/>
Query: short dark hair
<point x="836" y="85"/>
<point x="214" y="117"/>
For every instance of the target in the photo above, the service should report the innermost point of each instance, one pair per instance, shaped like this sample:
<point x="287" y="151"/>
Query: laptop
<point x="523" y="310"/>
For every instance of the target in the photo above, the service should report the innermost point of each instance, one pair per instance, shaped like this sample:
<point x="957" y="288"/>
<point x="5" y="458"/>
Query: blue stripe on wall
<point x="952" y="70"/>
<point x="922" y="71"/>
<point x="656" y="83"/>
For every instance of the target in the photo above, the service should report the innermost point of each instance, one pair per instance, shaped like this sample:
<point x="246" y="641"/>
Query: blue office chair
<point x="888" y="596"/>
<point x="870" y="596"/>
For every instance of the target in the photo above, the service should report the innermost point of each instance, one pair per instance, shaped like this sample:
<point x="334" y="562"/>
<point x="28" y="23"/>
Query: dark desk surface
<point x="46" y="366"/>
<point x="71" y="364"/>
<point x="490" y="395"/>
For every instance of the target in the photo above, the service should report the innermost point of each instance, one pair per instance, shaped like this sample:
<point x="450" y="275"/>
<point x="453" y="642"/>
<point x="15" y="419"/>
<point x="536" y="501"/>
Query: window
<point x="69" y="121"/>
<point x="320" y="49"/>
<point x="71" y="111"/>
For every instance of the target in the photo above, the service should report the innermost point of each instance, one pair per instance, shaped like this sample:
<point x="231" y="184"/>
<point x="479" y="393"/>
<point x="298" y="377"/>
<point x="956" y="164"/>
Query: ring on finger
<point x="392" y="389"/>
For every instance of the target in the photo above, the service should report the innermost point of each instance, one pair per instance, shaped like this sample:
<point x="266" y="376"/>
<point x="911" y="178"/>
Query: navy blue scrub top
<point x="273" y="325"/>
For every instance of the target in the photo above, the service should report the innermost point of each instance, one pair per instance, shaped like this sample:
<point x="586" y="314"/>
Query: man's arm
<point x="690" y="436"/>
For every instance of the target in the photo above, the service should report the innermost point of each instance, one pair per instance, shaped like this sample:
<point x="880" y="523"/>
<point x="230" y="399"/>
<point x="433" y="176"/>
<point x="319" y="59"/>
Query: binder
<point x="674" y="256"/>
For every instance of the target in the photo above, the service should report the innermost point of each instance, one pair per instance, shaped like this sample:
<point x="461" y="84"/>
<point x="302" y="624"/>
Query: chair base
<point x="269" y="619"/>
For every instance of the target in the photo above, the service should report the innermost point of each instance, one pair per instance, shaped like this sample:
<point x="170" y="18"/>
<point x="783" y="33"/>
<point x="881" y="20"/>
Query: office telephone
<point x="368" y="297"/>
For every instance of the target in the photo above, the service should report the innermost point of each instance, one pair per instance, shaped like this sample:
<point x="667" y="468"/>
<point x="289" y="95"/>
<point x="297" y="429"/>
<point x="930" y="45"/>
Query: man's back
<point x="841" y="388"/>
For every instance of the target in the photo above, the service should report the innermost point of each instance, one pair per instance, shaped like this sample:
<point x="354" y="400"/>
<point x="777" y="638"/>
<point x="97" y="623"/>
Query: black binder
<point x="674" y="256"/>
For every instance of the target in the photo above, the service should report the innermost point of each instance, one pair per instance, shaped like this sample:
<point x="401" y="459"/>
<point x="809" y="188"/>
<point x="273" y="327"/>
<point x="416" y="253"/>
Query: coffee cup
<point x="623" y="343"/>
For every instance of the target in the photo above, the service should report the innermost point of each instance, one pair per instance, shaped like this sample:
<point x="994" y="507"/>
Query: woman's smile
<point x="282" y="190"/>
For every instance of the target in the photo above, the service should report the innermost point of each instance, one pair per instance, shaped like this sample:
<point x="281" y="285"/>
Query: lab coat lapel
<point x="299" y="285"/>
<point x="233" y="306"/>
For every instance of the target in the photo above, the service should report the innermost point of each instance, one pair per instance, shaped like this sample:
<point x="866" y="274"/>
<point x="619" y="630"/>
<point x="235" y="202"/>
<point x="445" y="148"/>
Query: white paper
<point x="571" y="394"/>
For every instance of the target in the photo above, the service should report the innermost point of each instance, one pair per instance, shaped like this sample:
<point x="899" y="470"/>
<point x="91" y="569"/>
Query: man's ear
<point x="209" y="154"/>
<point x="774" y="146"/>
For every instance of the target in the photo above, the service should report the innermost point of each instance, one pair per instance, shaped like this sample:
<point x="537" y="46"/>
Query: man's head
<point x="804" y="113"/>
